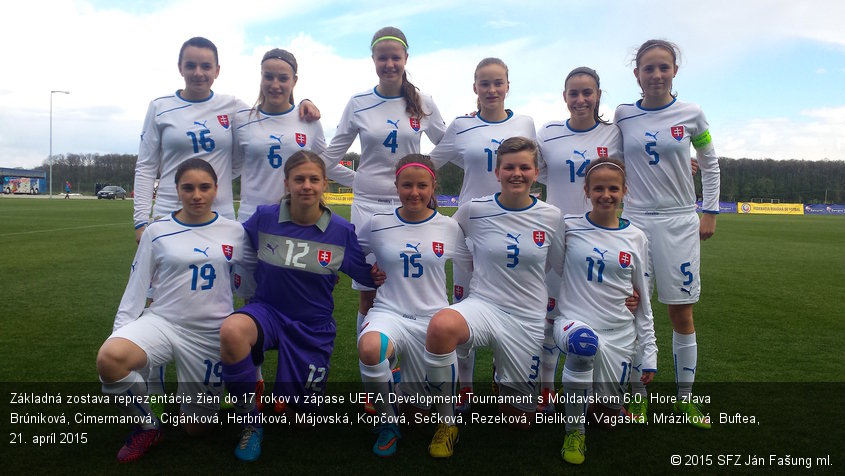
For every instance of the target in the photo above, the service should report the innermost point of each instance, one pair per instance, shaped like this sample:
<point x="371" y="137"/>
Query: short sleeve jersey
<point x="567" y="152"/>
<point x="387" y="134"/>
<point x="189" y="267"/>
<point x="471" y="143"/>
<point x="413" y="256"/>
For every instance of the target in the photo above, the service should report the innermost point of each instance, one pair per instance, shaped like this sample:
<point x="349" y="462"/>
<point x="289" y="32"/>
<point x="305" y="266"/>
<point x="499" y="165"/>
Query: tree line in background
<point x="790" y="181"/>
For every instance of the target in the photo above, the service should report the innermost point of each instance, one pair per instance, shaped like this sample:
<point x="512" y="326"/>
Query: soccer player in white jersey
<point x="515" y="239"/>
<point x="192" y="122"/>
<point x="389" y="120"/>
<point x="606" y="259"/>
<point x="411" y="245"/>
<point x="268" y="133"/>
<point x="567" y="147"/>
<point x="470" y="142"/>
<point x="657" y="133"/>
<point x="188" y="257"/>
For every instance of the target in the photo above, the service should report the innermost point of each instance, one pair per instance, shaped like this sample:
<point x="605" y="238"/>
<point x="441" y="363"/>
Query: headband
<point x="583" y="70"/>
<point x="278" y="57"/>
<point x="415" y="164"/>
<point x="394" y="38"/>
<point x="611" y="164"/>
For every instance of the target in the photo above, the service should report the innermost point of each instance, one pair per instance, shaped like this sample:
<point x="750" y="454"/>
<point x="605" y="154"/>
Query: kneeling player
<point x="604" y="263"/>
<point x="300" y="247"/>
<point x="188" y="257"/>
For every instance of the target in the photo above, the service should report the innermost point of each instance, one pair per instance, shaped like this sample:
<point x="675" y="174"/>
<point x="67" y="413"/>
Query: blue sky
<point x="770" y="75"/>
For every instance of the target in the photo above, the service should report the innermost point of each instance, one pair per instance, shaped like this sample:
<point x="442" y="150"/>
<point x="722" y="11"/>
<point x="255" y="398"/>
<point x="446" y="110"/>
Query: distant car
<point x="112" y="192"/>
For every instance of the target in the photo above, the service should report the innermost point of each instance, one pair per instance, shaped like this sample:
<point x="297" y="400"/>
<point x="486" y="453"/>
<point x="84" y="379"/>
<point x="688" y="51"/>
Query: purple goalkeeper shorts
<point x="304" y="352"/>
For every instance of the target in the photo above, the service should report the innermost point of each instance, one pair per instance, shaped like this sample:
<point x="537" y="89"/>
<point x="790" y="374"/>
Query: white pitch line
<point x="2" y="235"/>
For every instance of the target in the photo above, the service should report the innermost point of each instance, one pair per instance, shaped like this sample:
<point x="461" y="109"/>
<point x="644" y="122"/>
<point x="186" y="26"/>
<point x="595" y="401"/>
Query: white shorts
<point x="196" y="353"/>
<point x="612" y="369"/>
<point x="675" y="250"/>
<point x="516" y="341"/>
<point x="407" y="333"/>
<point x="363" y="210"/>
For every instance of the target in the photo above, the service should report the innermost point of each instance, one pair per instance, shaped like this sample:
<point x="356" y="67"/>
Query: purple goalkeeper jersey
<point x="298" y="265"/>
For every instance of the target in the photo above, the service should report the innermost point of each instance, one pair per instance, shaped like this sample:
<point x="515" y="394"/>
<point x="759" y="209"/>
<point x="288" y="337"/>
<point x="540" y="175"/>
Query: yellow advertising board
<point x="770" y="208"/>
<point x="337" y="198"/>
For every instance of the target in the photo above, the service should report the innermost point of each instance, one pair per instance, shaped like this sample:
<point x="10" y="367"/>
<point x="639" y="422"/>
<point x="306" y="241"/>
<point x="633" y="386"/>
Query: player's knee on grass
<point x="117" y="357"/>
<point x="237" y="336"/>
<point x="373" y="347"/>
<point x="446" y="331"/>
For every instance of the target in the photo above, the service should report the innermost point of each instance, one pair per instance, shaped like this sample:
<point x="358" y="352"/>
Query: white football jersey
<point x="413" y="255"/>
<point x="175" y="130"/>
<point x="387" y="134"/>
<point x="265" y="141"/>
<point x="511" y="252"/>
<point x="657" y="157"/>
<point x="567" y="152"/>
<point x="189" y="267"/>
<point x="601" y="268"/>
<point x="471" y="143"/>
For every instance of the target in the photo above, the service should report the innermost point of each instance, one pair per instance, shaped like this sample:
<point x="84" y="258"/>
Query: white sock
<point x="466" y="368"/>
<point x="378" y="380"/>
<point x="155" y="380"/>
<point x="441" y="374"/>
<point x="133" y="386"/>
<point x="549" y="357"/>
<point x="685" y="350"/>
<point x="576" y="384"/>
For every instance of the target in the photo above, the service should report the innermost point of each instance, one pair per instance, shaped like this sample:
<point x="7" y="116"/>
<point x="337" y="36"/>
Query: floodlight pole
<point x="51" y="138"/>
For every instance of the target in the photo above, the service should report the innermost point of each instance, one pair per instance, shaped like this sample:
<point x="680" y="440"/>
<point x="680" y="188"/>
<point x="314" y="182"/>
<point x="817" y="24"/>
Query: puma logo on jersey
<point x="395" y="123"/>
<point x="582" y="154"/>
<point x="271" y="248"/>
<point x="415" y="248"/>
<point x="515" y="238"/>
<point x="439" y="386"/>
<point x="204" y="252"/>
<point x="686" y="291"/>
<point x="638" y="368"/>
<point x="133" y="266"/>
<point x="494" y="141"/>
<point x="653" y="136"/>
<point x="201" y="124"/>
<point x="600" y="252"/>
<point x="277" y="138"/>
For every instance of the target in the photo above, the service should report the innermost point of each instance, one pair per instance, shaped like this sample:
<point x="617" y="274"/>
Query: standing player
<point x="470" y="142"/>
<point x="389" y="120"/>
<point x="270" y="132"/>
<point x="411" y="245"/>
<point x="567" y="148"/>
<point x="515" y="239"/>
<point x="657" y="132"/>
<point x="187" y="256"/>
<point x="605" y="261"/>
<point x="300" y="247"/>
<point x="192" y="122"/>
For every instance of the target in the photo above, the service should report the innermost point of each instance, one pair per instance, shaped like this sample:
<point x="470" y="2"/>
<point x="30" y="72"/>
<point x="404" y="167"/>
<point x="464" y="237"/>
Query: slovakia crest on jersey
<point x="551" y="305"/>
<point x="237" y="281"/>
<point x="539" y="237"/>
<point x="437" y="247"/>
<point x="227" y="252"/>
<point x="324" y="257"/>
<point x="677" y="132"/>
<point x="223" y="119"/>
<point x="601" y="151"/>
<point x="459" y="292"/>
<point x="624" y="259"/>
<point x="300" y="139"/>
<point x="415" y="124"/>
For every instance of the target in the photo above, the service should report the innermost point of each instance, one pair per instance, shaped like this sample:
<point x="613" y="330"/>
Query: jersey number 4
<point x="391" y="142"/>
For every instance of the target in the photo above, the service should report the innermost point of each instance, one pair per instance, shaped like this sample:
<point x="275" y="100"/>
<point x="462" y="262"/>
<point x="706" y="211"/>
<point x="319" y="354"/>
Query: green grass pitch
<point x="770" y="327"/>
